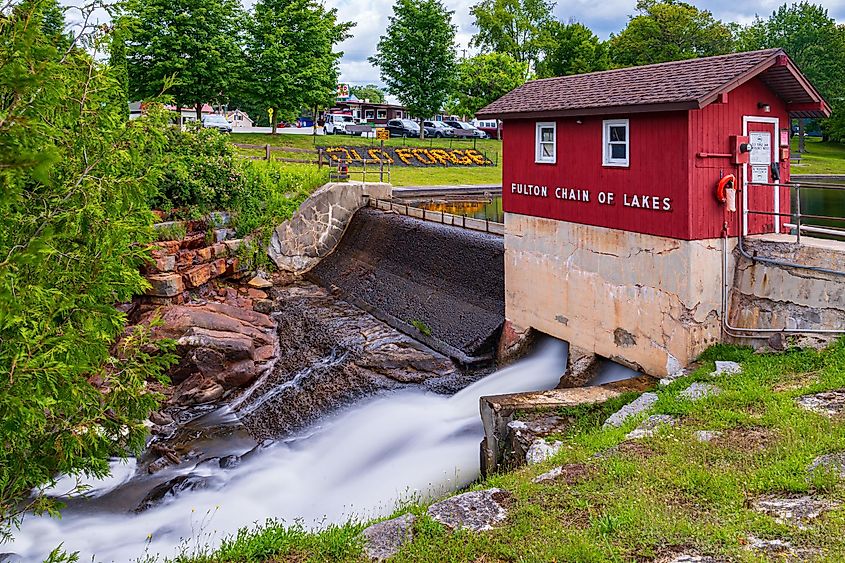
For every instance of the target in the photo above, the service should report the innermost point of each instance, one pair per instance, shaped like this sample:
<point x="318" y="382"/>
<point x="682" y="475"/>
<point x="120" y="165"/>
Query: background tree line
<point x="272" y="61"/>
<point x="521" y="39"/>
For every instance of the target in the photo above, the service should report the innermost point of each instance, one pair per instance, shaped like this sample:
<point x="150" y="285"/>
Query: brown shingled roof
<point x="678" y="85"/>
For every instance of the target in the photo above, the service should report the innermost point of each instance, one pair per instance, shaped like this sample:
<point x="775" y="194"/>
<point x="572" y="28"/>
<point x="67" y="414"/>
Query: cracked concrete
<point x="649" y="302"/>
<point x="770" y="296"/>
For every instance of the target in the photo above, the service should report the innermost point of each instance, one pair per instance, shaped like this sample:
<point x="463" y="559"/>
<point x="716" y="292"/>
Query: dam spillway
<point x="441" y="283"/>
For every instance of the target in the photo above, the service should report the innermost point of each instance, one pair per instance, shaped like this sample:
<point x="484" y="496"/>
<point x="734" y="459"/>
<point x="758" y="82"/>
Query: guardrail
<point x="800" y="222"/>
<point x="346" y="167"/>
<point x="483" y="225"/>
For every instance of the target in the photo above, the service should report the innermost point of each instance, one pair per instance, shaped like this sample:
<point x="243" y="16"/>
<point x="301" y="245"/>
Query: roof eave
<point x="585" y="112"/>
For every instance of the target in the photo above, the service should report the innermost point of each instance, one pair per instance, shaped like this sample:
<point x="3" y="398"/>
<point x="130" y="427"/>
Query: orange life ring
<point x="728" y="181"/>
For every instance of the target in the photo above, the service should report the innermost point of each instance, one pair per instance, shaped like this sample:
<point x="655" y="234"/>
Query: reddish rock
<point x="204" y="254"/>
<point x="218" y="267"/>
<point x="185" y="258"/>
<point x="198" y="275"/>
<point x="166" y="263"/>
<point x="256" y="293"/>
<point x="233" y="346"/>
<point x="232" y="266"/>
<point x="205" y="391"/>
<point x="193" y="241"/>
<point x="265" y="353"/>
<point x="237" y="374"/>
<point x="177" y="321"/>
<point x="165" y="247"/>
<point x="219" y="249"/>
<point x="244" y="315"/>
<point x="165" y="285"/>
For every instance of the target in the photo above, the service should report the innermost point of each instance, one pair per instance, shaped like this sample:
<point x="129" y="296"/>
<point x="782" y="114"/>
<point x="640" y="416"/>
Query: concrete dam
<point x="442" y="284"/>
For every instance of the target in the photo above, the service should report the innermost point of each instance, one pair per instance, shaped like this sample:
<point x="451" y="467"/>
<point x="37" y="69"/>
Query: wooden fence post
<point x="267" y="149"/>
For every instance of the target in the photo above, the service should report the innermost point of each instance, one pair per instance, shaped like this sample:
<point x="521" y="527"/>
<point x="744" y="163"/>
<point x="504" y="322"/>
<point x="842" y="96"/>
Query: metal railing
<point x="799" y="222"/>
<point x="347" y="166"/>
<point x="471" y="223"/>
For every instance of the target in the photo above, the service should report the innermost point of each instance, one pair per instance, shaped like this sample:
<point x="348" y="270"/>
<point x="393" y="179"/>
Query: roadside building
<point x="239" y="119"/>
<point x="613" y="208"/>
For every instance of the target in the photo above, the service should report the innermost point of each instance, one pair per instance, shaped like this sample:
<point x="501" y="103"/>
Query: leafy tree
<point x="485" y="78"/>
<point x="669" y="30"/>
<point x="571" y="49"/>
<point x="815" y="42"/>
<point x="74" y="181"/>
<point x="291" y="58"/>
<point x="512" y="26"/>
<point x="187" y="47"/>
<point x="368" y="92"/>
<point x="416" y="56"/>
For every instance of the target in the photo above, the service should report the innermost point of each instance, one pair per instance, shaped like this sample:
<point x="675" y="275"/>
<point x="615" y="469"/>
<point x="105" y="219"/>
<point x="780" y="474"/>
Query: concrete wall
<point x="771" y="296"/>
<point x="316" y="227"/>
<point x="649" y="302"/>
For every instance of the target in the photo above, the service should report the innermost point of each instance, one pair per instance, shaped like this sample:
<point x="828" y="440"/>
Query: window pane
<point x="618" y="151"/>
<point x="617" y="133"/>
<point x="547" y="151"/>
<point x="546" y="135"/>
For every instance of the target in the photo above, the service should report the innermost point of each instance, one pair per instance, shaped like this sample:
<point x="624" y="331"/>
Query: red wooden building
<point x="643" y="148"/>
<point x="613" y="228"/>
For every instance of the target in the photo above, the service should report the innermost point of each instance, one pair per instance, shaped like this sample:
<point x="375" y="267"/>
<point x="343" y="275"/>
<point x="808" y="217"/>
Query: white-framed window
<point x="399" y="114"/>
<point x="369" y="114"/>
<point x="545" y="142"/>
<point x="382" y="114"/>
<point x="615" y="142"/>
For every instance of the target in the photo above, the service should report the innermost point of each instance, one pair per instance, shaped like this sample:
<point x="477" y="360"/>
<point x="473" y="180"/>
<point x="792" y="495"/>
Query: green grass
<point x="674" y="494"/>
<point x="820" y="157"/>
<point x="399" y="175"/>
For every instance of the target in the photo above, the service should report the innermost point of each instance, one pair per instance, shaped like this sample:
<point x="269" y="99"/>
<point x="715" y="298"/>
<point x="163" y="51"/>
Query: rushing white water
<point x="356" y="464"/>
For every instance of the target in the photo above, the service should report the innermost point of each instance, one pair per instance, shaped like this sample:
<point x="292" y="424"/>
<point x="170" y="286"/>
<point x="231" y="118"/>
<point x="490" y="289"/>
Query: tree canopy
<point x="187" y="47"/>
<point x="669" y="30"/>
<point x="485" y="78"/>
<point x="571" y="49"/>
<point x="514" y="27"/>
<point x="416" y="55"/>
<point x="291" y="57"/>
<point x="368" y="92"/>
<point x="74" y="181"/>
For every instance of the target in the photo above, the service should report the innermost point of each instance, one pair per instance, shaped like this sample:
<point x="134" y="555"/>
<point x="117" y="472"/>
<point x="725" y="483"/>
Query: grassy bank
<point x="400" y="175"/>
<point x="820" y="158"/>
<point x="655" y="497"/>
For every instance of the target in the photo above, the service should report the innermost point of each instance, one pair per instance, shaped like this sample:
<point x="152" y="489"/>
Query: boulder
<point x="385" y="539"/>
<point x="796" y="511"/>
<point x="476" y="511"/>
<point x="834" y="463"/>
<point x="726" y="368"/>
<point x="828" y="403"/>
<point x="635" y="407"/>
<point x="698" y="391"/>
<point x="650" y="426"/>
<point x="540" y="450"/>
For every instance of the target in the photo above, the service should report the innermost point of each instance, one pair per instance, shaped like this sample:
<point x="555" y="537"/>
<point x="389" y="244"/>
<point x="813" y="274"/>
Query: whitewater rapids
<point x="357" y="464"/>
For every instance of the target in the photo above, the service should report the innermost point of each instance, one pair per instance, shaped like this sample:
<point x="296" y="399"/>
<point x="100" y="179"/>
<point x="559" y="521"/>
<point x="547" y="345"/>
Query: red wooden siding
<point x="658" y="167"/>
<point x="710" y="131"/>
<point x="664" y="162"/>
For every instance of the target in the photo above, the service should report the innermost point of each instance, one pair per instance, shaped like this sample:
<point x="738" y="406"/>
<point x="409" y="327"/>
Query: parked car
<point x="470" y="129"/>
<point x="403" y="128"/>
<point x="438" y="129"/>
<point x="216" y="122"/>
<point x="336" y="124"/>
<point x="490" y="127"/>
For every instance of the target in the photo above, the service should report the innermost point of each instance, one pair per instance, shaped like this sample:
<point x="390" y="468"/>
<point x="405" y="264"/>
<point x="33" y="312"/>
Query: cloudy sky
<point x="602" y="16"/>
